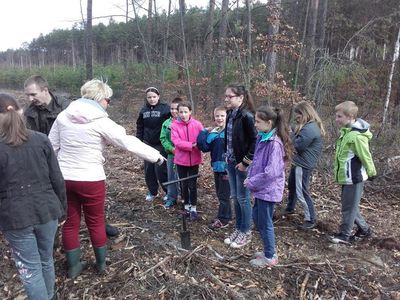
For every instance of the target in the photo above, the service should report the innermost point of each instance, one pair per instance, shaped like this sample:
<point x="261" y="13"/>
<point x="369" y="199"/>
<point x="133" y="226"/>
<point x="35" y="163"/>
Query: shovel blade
<point x="185" y="240"/>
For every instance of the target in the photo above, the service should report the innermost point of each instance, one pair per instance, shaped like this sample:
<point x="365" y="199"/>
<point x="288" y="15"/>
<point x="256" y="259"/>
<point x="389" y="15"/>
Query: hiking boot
<point x="169" y="204"/>
<point x="241" y="240"/>
<point x="150" y="197"/>
<point x="232" y="237"/>
<point x="286" y="212"/>
<point x="308" y="225"/>
<point x="261" y="262"/>
<point x="361" y="234"/>
<point x="217" y="224"/>
<point x="193" y="216"/>
<point x="340" y="238"/>
<point x="111" y="231"/>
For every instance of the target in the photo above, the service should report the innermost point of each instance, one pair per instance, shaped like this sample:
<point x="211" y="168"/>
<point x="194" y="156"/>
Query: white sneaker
<point x="241" y="240"/>
<point x="261" y="262"/>
<point x="150" y="197"/>
<point x="232" y="237"/>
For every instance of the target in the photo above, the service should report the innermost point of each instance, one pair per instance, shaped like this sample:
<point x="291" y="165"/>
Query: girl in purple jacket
<point x="184" y="132"/>
<point x="266" y="177"/>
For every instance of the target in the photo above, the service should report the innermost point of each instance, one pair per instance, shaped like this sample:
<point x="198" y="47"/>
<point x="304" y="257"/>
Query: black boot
<point x="111" y="231"/>
<point x="100" y="254"/>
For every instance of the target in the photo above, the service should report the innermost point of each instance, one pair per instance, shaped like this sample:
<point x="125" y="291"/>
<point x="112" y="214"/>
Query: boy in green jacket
<point x="353" y="166"/>
<point x="165" y="138"/>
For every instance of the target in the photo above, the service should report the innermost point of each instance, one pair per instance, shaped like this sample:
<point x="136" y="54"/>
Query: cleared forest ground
<point x="146" y="261"/>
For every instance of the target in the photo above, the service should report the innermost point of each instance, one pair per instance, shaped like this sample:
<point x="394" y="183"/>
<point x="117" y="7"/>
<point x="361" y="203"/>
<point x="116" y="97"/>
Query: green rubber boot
<point x="100" y="254"/>
<point x="75" y="266"/>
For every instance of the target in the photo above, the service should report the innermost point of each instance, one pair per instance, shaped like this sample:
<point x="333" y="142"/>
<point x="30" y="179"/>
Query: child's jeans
<point x="298" y="185"/>
<point x="223" y="194"/>
<point x="188" y="187"/>
<point x="262" y="217"/>
<point x="351" y="196"/>
<point x="241" y="198"/>
<point x="32" y="250"/>
<point x="172" y="175"/>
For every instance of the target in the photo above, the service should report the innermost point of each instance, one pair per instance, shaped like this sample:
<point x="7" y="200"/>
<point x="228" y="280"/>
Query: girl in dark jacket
<point x="32" y="199"/>
<point x="240" y="139"/>
<point x="148" y="129"/>
<point x="307" y="141"/>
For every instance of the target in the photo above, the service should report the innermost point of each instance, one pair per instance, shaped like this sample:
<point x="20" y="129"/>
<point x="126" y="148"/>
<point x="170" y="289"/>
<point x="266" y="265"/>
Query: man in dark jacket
<point x="43" y="110"/>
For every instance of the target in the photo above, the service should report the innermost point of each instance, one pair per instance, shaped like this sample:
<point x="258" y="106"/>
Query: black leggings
<point x="188" y="187"/>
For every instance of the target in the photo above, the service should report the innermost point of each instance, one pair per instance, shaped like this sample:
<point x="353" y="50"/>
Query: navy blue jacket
<point x="213" y="142"/>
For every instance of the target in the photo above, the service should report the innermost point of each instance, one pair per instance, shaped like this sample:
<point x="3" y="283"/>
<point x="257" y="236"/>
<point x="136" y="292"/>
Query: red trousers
<point x="88" y="196"/>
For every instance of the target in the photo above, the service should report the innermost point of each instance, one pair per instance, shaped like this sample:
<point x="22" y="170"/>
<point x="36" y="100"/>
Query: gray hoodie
<point x="308" y="146"/>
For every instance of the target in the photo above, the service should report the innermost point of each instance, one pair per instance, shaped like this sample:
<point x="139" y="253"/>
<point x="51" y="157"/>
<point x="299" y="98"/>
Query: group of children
<point x="249" y="150"/>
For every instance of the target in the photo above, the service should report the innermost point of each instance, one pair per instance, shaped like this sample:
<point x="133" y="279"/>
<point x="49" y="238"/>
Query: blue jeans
<point x="172" y="175"/>
<point x="262" y="216"/>
<point x="298" y="185"/>
<point x="223" y="193"/>
<point x="32" y="250"/>
<point x="241" y="198"/>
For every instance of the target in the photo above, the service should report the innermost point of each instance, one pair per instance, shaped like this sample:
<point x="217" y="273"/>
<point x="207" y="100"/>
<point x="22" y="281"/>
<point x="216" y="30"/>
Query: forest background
<point x="285" y="51"/>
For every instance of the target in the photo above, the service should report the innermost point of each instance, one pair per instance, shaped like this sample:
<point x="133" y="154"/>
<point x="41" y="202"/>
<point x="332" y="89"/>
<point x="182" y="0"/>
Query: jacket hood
<point x="360" y="126"/>
<point x="84" y="111"/>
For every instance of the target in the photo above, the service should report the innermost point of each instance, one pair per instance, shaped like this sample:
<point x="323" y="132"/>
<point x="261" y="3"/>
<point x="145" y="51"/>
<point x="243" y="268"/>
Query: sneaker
<point x="193" y="215"/>
<point x="111" y="230"/>
<point x="361" y="234"/>
<point x="308" y="225"/>
<point x="217" y="224"/>
<point x="165" y="199"/>
<point x="232" y="237"/>
<point x="186" y="212"/>
<point x="259" y="254"/>
<point x="241" y="240"/>
<point x="261" y="262"/>
<point x="169" y="203"/>
<point x="286" y="212"/>
<point x="150" y="197"/>
<point x="340" y="238"/>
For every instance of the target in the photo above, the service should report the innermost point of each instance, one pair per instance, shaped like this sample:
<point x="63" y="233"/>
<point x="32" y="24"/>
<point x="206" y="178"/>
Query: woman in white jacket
<point x="78" y="137"/>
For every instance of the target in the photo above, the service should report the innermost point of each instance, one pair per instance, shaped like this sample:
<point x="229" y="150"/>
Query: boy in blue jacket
<point x="213" y="140"/>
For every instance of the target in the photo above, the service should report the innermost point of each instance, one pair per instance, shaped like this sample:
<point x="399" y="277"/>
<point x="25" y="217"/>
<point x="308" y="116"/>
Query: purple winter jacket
<point x="266" y="177"/>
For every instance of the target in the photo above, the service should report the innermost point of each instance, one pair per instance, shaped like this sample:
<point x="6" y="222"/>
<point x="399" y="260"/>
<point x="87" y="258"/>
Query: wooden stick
<point x="140" y="275"/>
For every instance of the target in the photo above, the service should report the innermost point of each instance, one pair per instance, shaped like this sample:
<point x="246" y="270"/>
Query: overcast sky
<point x="23" y="20"/>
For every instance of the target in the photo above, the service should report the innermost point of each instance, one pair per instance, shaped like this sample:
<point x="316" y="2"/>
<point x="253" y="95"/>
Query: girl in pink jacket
<point x="184" y="132"/>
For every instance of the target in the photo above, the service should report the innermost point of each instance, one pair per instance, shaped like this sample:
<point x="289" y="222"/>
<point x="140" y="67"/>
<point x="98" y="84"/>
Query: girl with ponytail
<point x="32" y="198"/>
<point x="266" y="177"/>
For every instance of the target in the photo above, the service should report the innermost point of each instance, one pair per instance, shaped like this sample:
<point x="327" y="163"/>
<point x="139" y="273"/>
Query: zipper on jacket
<point x="190" y="153"/>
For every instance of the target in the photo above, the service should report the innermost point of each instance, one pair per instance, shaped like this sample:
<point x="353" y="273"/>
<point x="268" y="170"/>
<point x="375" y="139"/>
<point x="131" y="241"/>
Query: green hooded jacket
<point x="353" y="160"/>
<point x="165" y="137"/>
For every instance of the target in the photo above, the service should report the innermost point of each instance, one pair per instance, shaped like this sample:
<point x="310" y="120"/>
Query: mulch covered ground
<point x="147" y="262"/>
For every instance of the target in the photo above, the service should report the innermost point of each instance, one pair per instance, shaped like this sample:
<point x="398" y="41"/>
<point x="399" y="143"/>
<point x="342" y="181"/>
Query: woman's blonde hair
<point x="97" y="90"/>
<point x="308" y="114"/>
<point x="12" y="126"/>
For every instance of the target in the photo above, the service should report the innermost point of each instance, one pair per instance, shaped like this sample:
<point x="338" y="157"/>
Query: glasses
<point x="230" y="96"/>
<point x="108" y="100"/>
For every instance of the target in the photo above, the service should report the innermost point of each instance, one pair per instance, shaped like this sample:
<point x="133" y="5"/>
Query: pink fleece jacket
<point x="183" y="135"/>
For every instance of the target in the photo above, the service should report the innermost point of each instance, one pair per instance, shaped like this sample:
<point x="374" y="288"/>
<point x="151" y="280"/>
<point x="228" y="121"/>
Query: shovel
<point x="185" y="233"/>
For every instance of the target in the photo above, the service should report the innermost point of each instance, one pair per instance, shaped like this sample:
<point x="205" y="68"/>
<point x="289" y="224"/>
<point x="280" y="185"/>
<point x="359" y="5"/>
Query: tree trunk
<point x="296" y="76"/>
<point x="148" y="66"/>
<point x="310" y="45"/>
<point x="89" y="45"/>
<point x="249" y="42"/>
<point x="389" y="85"/>
<point x="186" y="64"/>
<point x="165" y="50"/>
<point x="273" y="29"/>
<point x="209" y="38"/>
<point x="221" y="53"/>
